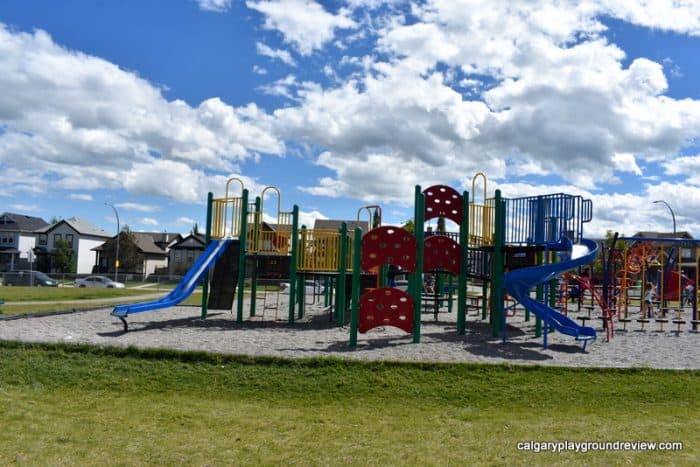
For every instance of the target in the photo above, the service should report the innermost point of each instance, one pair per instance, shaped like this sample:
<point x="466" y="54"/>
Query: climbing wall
<point x="385" y="306"/>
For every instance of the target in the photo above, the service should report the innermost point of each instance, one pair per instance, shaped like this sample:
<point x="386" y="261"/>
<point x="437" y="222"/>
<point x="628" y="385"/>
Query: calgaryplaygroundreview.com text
<point x="588" y="446"/>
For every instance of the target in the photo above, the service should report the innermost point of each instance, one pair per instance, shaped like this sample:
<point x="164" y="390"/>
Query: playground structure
<point x="634" y="268"/>
<point x="506" y="248"/>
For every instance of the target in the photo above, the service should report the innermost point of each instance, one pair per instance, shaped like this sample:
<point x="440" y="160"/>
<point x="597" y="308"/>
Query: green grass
<point x="89" y="406"/>
<point x="37" y="294"/>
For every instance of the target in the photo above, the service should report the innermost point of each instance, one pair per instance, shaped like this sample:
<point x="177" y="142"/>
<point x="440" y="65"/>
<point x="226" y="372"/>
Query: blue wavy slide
<point x="520" y="282"/>
<point x="184" y="289"/>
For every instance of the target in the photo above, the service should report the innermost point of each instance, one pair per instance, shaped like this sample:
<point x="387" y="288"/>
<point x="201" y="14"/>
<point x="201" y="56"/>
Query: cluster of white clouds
<point x="82" y="122"/>
<point x="447" y="88"/>
<point x="555" y="99"/>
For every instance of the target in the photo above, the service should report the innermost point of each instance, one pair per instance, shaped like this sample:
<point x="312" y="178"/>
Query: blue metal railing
<point x="538" y="220"/>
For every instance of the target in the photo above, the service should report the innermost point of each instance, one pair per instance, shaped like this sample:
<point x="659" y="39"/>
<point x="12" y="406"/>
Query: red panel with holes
<point x="386" y="307"/>
<point x="443" y="201"/>
<point x="389" y="245"/>
<point x="441" y="254"/>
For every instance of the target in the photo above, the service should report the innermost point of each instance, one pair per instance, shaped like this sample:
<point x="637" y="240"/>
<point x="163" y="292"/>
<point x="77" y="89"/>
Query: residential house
<point x="17" y="240"/>
<point x="82" y="237"/>
<point x="331" y="224"/>
<point x="184" y="252"/>
<point x="142" y="253"/>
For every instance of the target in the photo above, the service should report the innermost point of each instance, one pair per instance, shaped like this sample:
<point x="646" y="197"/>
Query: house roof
<point x="333" y="224"/>
<point x="194" y="238"/>
<point x="155" y="242"/>
<point x="21" y="222"/>
<point x="81" y="226"/>
<point x="670" y="235"/>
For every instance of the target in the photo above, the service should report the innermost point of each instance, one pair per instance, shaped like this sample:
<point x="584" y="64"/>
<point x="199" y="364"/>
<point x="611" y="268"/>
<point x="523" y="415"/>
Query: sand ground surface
<point x="270" y="334"/>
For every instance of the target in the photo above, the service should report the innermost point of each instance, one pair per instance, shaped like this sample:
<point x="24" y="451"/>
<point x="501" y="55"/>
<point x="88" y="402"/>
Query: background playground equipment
<point x="656" y="261"/>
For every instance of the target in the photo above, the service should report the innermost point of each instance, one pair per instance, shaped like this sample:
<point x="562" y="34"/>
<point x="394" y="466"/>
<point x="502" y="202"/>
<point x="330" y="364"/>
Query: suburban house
<point x="17" y="240"/>
<point x="142" y="253"/>
<point x="184" y="252"/>
<point x="82" y="237"/>
<point x="331" y="224"/>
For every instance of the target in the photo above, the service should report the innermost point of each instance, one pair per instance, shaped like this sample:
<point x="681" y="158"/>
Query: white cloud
<point x="309" y="218"/>
<point x="25" y="207"/>
<point x="304" y="24"/>
<point x="137" y="207"/>
<point x="148" y="221"/>
<point x="557" y="101"/>
<point x="80" y="196"/>
<point x="82" y="122"/>
<point x="218" y="6"/>
<point x="276" y="54"/>
<point x="678" y="16"/>
<point x="185" y="221"/>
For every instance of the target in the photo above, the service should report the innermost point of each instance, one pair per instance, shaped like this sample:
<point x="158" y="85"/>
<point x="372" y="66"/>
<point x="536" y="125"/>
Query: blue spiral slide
<point x="184" y="289"/>
<point x="520" y="282"/>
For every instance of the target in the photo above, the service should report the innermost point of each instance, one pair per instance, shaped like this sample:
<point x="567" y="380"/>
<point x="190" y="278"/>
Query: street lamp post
<point x="673" y="216"/>
<point x="116" y="260"/>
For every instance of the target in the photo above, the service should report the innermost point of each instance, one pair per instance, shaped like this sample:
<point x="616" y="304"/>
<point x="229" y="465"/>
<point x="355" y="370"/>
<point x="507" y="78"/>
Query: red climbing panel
<point x="443" y="201"/>
<point x="389" y="245"/>
<point x="441" y="254"/>
<point x="386" y="307"/>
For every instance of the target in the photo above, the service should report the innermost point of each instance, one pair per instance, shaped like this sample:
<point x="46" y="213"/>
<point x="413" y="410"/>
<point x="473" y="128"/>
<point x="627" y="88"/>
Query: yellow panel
<point x="320" y="250"/>
<point x="481" y="224"/>
<point x="226" y="217"/>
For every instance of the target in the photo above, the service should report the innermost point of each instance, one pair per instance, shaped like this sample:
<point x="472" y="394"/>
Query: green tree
<point x="64" y="260"/>
<point x="129" y="258"/>
<point x="409" y="225"/>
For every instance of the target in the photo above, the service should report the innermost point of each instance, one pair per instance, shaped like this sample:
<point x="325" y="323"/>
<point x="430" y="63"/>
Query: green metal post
<point x="539" y="295"/>
<point x="207" y="239"/>
<point x="293" y="263"/>
<point x="497" y="267"/>
<point x="419" y="232"/>
<point x="464" y="258"/>
<point x="326" y="291"/>
<point x="301" y="295"/>
<point x="355" y="311"/>
<point x="241" y="256"/>
<point x="383" y="274"/>
<point x="256" y="239"/>
<point x="450" y="284"/>
<point x="341" y="304"/>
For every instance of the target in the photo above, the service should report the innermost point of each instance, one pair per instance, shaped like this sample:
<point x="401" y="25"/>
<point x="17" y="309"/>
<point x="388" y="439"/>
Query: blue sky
<point x="150" y="105"/>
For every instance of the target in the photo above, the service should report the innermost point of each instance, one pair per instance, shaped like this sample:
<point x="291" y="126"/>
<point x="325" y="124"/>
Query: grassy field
<point x="76" y="295"/>
<point x="40" y="294"/>
<point x="67" y="298"/>
<point x="89" y="406"/>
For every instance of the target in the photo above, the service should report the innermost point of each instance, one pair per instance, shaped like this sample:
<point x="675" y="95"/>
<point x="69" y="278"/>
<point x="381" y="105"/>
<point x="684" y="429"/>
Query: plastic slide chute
<point x="520" y="282"/>
<point x="184" y="289"/>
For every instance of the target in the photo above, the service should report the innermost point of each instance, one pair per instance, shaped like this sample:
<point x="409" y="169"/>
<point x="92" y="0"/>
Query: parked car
<point x="310" y="287"/>
<point x="29" y="278"/>
<point x="98" y="282"/>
